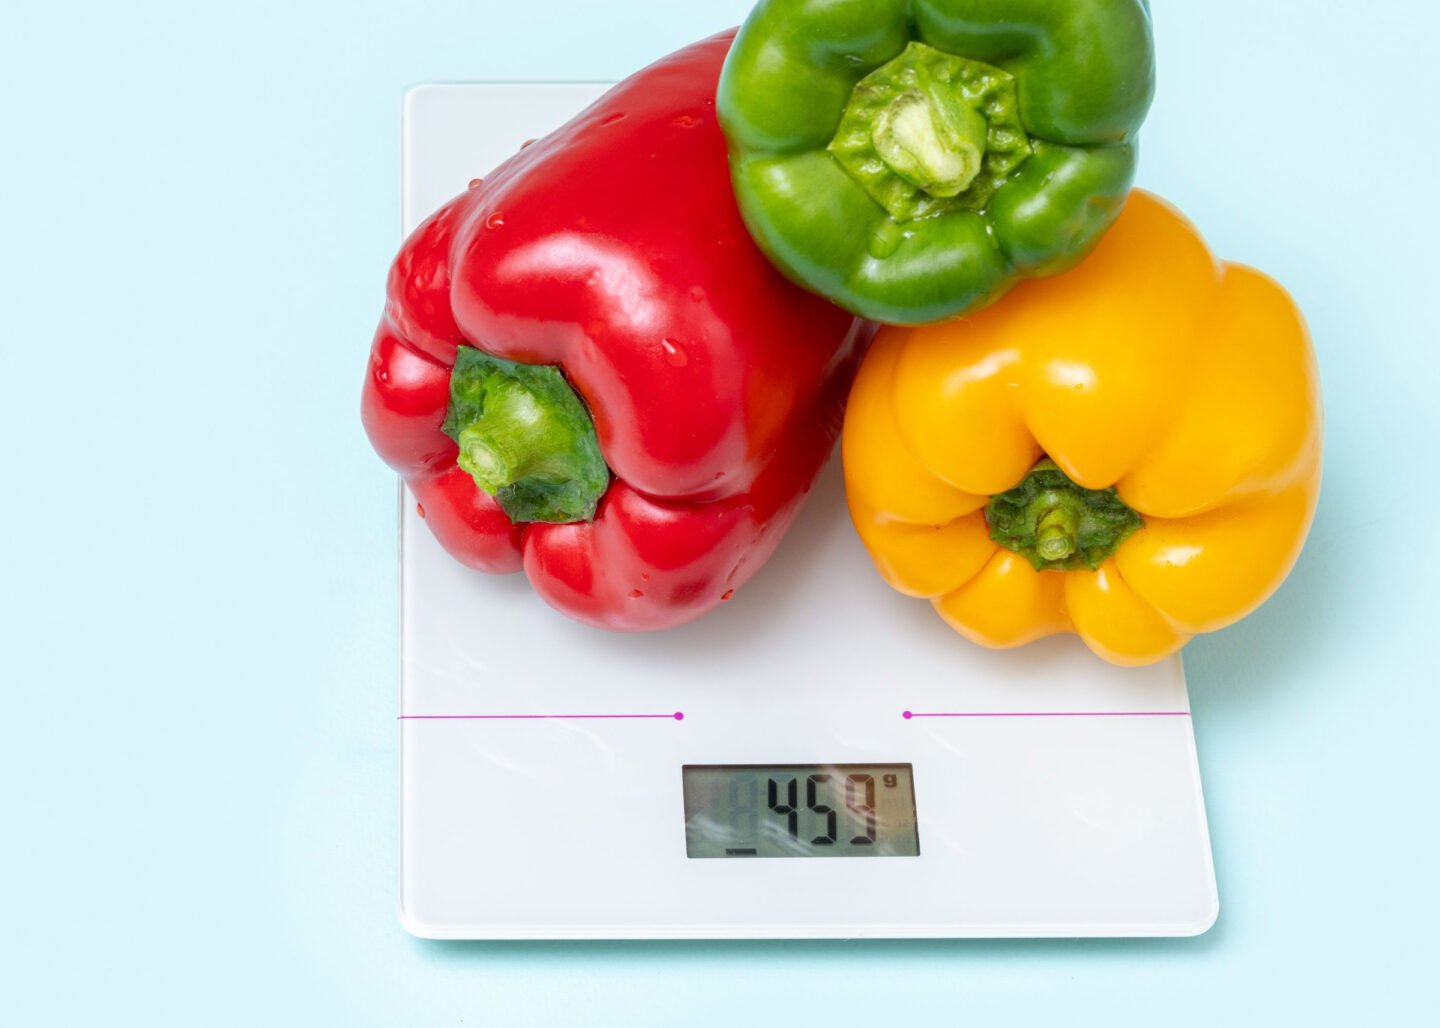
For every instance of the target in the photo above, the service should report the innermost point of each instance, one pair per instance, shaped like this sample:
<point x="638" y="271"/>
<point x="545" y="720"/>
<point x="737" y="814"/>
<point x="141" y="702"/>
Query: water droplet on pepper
<point x="728" y="593"/>
<point x="495" y="220"/>
<point x="675" y="354"/>
<point x="885" y="240"/>
<point x="476" y="183"/>
<point x="420" y="509"/>
<point x="635" y="594"/>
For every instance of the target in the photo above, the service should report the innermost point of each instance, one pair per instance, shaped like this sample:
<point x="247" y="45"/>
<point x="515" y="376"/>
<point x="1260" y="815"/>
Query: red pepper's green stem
<point x="526" y="438"/>
<point x="1057" y="525"/>
<point x="514" y="438"/>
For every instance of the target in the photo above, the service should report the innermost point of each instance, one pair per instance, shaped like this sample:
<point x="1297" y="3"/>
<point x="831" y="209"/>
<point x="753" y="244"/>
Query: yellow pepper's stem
<point x="1058" y="525"/>
<point x="1056" y="535"/>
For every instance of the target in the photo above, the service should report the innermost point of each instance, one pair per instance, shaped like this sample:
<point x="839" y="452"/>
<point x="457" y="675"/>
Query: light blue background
<point x="198" y="585"/>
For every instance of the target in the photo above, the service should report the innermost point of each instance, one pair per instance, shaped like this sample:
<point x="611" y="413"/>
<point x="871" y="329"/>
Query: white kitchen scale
<point x="560" y="782"/>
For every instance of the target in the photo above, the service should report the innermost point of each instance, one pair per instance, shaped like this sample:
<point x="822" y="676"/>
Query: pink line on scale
<point x="907" y="715"/>
<point x="677" y="716"/>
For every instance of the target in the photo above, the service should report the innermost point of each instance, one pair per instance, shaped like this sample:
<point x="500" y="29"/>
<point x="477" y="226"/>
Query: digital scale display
<point x="800" y="810"/>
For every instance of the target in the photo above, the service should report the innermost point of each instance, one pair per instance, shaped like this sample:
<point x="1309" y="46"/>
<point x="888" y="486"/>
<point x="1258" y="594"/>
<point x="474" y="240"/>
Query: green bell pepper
<point x="913" y="159"/>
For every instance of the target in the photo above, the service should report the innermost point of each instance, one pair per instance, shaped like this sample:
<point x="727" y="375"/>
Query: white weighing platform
<point x="549" y="770"/>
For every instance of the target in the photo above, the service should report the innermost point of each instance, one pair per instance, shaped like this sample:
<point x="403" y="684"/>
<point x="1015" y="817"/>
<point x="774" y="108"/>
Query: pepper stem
<point x="1058" y="525"/>
<point x="514" y="437"/>
<point x="934" y="145"/>
<point x="1056" y="534"/>
<point x="929" y="132"/>
<point x="526" y="438"/>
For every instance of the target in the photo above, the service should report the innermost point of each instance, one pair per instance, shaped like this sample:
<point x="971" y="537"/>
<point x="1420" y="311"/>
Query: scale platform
<point x="560" y="782"/>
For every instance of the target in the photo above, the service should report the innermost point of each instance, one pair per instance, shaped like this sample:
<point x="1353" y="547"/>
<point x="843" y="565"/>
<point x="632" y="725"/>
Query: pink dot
<point x="907" y="715"/>
<point x="679" y="715"/>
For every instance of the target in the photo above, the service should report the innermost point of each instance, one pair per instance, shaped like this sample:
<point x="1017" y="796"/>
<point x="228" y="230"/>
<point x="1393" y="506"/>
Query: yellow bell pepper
<point x="1129" y="451"/>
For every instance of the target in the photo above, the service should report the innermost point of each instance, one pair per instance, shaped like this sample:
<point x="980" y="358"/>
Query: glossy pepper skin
<point x="1186" y="384"/>
<point x="913" y="159"/>
<point x="613" y="251"/>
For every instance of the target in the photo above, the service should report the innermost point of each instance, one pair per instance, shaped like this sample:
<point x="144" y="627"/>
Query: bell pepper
<point x="586" y="369"/>
<point x="913" y="159"/>
<point x="1130" y="451"/>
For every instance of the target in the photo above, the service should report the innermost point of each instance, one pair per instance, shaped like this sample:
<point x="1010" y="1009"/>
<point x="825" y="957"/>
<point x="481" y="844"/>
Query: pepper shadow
<point x="1257" y="667"/>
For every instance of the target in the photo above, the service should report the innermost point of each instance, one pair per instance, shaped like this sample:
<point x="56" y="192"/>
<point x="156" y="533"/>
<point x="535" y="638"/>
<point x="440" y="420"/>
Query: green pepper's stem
<point x="933" y="145"/>
<point x="1058" y="525"/>
<point x="929" y="132"/>
<point x="526" y="438"/>
<point x="1056" y="534"/>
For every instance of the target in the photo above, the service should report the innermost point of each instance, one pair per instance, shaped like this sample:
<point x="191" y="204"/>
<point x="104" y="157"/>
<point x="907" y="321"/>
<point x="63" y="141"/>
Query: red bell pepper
<point x="604" y="273"/>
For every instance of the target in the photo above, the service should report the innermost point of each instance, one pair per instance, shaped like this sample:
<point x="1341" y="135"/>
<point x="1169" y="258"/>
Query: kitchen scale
<point x="821" y="757"/>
